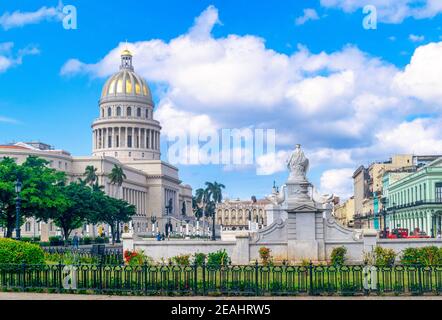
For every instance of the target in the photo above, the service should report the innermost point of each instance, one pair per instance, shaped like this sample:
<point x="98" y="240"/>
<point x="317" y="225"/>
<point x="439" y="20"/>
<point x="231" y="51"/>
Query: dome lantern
<point x="126" y="60"/>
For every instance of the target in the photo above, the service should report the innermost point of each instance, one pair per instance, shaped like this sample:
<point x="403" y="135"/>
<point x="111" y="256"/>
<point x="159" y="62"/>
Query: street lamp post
<point x="18" y="186"/>
<point x="153" y="219"/>
<point x="213" y="226"/>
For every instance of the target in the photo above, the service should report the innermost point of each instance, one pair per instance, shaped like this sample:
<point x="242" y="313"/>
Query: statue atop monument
<point x="298" y="165"/>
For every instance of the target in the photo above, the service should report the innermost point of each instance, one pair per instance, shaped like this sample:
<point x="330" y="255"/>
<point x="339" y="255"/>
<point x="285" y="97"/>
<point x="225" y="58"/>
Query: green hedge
<point x="13" y="251"/>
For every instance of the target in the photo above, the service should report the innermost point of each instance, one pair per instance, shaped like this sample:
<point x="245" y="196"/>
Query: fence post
<point x="419" y="273"/>
<point x="100" y="266"/>
<point x="24" y="276"/>
<point x="195" y="279"/>
<point x="60" y="276"/>
<point x="204" y="278"/>
<point x="256" y="278"/>
<point x="145" y="277"/>
<point x="311" y="278"/>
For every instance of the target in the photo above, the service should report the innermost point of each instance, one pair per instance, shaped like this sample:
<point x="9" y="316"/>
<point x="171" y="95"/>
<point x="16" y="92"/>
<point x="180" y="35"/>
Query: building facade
<point x="344" y="213"/>
<point x="414" y="200"/>
<point x="127" y="135"/>
<point x="239" y="214"/>
<point x="369" y="183"/>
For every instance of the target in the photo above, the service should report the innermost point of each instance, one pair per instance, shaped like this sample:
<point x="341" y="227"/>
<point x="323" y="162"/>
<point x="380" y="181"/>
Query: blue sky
<point x="348" y="95"/>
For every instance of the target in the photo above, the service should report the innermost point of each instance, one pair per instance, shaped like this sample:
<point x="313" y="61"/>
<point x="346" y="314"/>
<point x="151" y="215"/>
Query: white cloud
<point x="422" y="76"/>
<point x="19" y="19"/>
<point x="9" y="59"/>
<point x="416" y="38"/>
<point x="343" y="106"/>
<point x="309" y="14"/>
<point x="338" y="182"/>
<point x="390" y="11"/>
<point x="272" y="163"/>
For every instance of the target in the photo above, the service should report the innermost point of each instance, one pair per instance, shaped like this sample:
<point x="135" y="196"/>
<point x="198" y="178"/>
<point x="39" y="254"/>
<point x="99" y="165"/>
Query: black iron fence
<point x="88" y="255"/>
<point x="253" y="280"/>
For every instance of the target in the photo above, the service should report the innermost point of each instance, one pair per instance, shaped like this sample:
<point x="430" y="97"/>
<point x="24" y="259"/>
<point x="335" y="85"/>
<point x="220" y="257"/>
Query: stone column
<point x="370" y="239"/>
<point x="241" y="251"/>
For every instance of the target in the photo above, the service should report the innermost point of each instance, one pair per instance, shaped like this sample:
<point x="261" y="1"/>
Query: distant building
<point x="344" y="213"/>
<point x="414" y="199"/>
<point x="368" y="186"/>
<point x="236" y="214"/>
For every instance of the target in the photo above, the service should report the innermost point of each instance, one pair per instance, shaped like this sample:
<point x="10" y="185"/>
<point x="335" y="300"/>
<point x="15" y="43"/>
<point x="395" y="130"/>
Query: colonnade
<point x="137" y="198"/>
<point x="126" y="137"/>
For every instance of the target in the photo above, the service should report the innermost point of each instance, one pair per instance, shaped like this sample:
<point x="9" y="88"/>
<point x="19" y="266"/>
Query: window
<point x="139" y="112"/>
<point x="119" y="111"/>
<point x="117" y="142"/>
<point x="28" y="227"/>
<point x="129" y="111"/>
<point x="129" y="141"/>
<point x="147" y="113"/>
<point x="439" y="192"/>
<point x="109" y="112"/>
<point x="109" y="141"/>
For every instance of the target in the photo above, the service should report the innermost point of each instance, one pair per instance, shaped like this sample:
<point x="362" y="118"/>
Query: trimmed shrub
<point x="337" y="256"/>
<point x="199" y="258"/>
<point x="13" y="251"/>
<point x="218" y="258"/>
<point x="55" y="241"/>
<point x="86" y="240"/>
<point x="411" y="257"/>
<point x="426" y="256"/>
<point x="384" y="257"/>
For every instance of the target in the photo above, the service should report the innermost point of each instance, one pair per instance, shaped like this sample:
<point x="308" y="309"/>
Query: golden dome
<point x="126" y="52"/>
<point x="126" y="82"/>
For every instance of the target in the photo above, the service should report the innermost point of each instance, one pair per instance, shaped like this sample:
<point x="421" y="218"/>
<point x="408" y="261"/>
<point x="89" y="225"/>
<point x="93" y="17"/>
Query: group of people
<point x="161" y="236"/>
<point x="76" y="238"/>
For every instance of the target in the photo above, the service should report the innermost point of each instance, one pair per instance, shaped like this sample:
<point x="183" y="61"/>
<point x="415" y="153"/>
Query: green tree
<point x="91" y="177"/>
<point x="117" y="177"/>
<point x="40" y="190"/>
<point x="77" y="207"/>
<point x="111" y="211"/>
<point x="205" y="200"/>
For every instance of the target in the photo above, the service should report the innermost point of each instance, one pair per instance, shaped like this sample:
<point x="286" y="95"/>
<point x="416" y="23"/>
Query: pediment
<point x="304" y="208"/>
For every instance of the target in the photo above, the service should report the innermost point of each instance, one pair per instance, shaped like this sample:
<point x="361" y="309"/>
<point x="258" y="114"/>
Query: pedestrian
<point x="76" y="241"/>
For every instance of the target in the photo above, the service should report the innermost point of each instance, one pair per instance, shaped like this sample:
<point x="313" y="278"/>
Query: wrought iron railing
<point x="229" y="280"/>
<point x="108" y="256"/>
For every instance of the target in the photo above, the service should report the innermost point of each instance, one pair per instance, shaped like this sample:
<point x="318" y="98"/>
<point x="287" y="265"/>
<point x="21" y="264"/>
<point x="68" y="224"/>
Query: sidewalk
<point x="55" y="296"/>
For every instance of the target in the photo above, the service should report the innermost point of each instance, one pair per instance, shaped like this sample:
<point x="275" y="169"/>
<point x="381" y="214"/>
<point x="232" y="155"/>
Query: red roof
<point x="13" y="147"/>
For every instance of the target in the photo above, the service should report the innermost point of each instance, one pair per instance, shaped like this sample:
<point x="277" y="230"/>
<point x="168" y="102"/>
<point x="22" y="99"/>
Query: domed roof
<point x="126" y="82"/>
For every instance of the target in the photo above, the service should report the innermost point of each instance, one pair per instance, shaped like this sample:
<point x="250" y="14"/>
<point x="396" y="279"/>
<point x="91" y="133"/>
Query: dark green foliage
<point x="199" y="258"/>
<point x="40" y="190"/>
<point x="384" y="257"/>
<point x="425" y="256"/>
<point x="218" y="258"/>
<point x="337" y="256"/>
<point x="13" y="251"/>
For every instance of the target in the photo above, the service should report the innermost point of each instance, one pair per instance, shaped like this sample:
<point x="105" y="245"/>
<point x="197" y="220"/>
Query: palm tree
<point x="91" y="175"/>
<point x="205" y="201"/>
<point x="117" y="177"/>
<point x="216" y="191"/>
